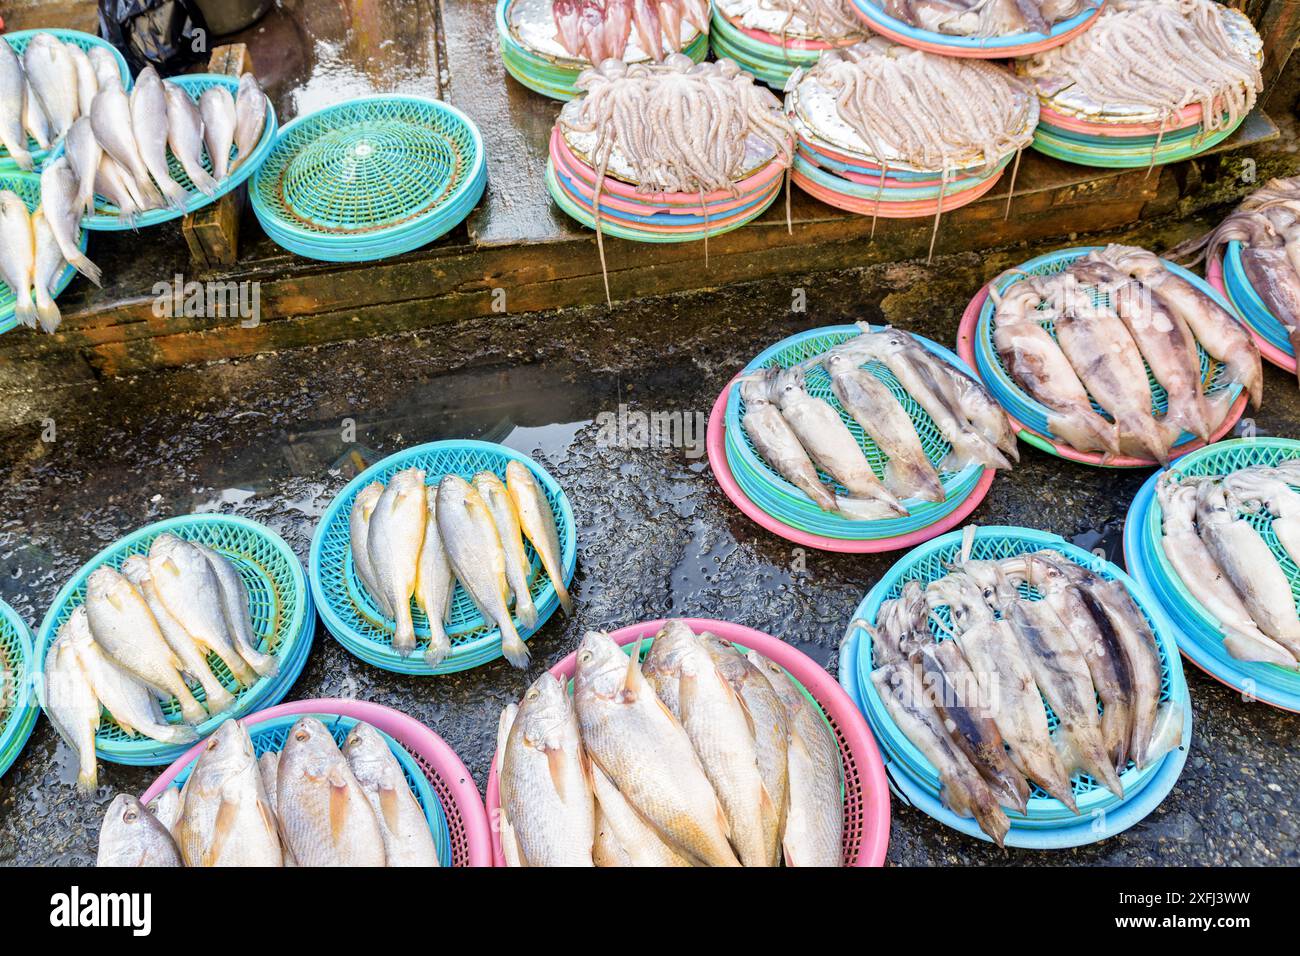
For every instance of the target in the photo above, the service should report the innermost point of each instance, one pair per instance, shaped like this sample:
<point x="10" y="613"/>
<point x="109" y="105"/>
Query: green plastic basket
<point x="350" y="613"/>
<point x="18" y="707"/>
<point x="27" y="186"/>
<point x="280" y="603"/>
<point x="1120" y="152"/>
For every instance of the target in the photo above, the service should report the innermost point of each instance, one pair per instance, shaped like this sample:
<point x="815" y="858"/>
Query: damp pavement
<point x="269" y="438"/>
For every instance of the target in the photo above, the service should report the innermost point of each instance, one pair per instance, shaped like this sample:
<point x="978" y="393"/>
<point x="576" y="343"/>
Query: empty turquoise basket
<point x="370" y="178"/>
<point x="18" y="708"/>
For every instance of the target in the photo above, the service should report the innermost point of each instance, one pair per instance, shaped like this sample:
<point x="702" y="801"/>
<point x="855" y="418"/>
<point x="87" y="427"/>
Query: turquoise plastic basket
<point x="352" y="616"/>
<point x="1125" y="152"/>
<point x="281" y="607"/>
<point x="19" y="40"/>
<point x="27" y="186"/>
<point x="1250" y="305"/>
<point x="813" y="167"/>
<point x="1031" y="413"/>
<point x="270" y="735"/>
<point x="1016" y="44"/>
<point x="18" y="707"/>
<point x="108" y="219"/>
<point x="1047" y="823"/>
<point x="791" y="506"/>
<point x="370" y="178"/>
<point x="1198" y="632"/>
<point x="768" y="62"/>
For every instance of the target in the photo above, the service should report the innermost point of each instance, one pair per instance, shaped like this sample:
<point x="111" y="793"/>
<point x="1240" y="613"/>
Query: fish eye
<point x="131" y="815"/>
<point x="301" y="735"/>
<point x="532" y="694"/>
<point x="585" y="656"/>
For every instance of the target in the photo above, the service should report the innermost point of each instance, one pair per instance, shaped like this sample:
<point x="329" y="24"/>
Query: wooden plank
<point x="1278" y="23"/>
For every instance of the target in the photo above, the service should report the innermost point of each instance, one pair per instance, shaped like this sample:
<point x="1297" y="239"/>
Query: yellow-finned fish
<point x="132" y="836"/>
<point x="405" y="828"/>
<point x="434" y="582"/>
<point x="538" y="524"/>
<point x="70" y="704"/>
<point x="363" y="508"/>
<point x="396" y="533"/>
<point x="506" y="516"/>
<point x="623" y="838"/>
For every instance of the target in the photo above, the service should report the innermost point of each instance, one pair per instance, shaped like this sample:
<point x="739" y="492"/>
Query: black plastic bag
<point x="169" y="34"/>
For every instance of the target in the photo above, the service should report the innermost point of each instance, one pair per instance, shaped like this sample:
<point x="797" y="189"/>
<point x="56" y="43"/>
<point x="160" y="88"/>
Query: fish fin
<point x="390" y="806"/>
<point x="86" y="268"/>
<point x="513" y="646"/>
<point x="788" y="856"/>
<point x="88" y="775"/>
<point x="634" y="680"/>
<point x="562" y="593"/>
<point x="438" y="650"/>
<point x="339" y="804"/>
<point x="48" y="316"/>
<point x="555" y="764"/>
<point x="222" y="826"/>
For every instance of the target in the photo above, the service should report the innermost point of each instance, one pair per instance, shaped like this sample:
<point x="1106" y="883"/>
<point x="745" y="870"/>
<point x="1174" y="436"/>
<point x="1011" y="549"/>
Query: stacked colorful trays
<point x="1047" y="823"/>
<point x="19" y="40"/>
<point x="353" y="617"/>
<point x="18" y="707"/>
<point x="27" y="186"/>
<point x="1074" y="128"/>
<point x="629" y="213"/>
<point x="866" y="796"/>
<point x="772" y="501"/>
<point x="280" y="603"/>
<point x="438" y="777"/>
<point x="370" y="178"/>
<point x="106" y="215"/>
<point x="1229" y="278"/>
<point x="975" y="346"/>
<point x="1199" y="635"/>
<point x="835" y="165"/>
<point x="751" y="34"/>
<point x="532" y="53"/>
<point x="1019" y="44"/>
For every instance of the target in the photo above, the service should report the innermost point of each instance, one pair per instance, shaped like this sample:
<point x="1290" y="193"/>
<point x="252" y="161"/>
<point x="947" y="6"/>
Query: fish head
<point x="777" y="677"/>
<point x="77" y="628"/>
<point x="366" y="750"/>
<point x="408" y="482"/>
<point x="228" y="751"/>
<point x="367" y="498"/>
<point x="517" y="471"/>
<point x="310" y="750"/>
<point x="108" y="584"/>
<point x="454" y="487"/>
<point x="546" y="711"/>
<point x="602" y="668"/>
<point x="128" y="823"/>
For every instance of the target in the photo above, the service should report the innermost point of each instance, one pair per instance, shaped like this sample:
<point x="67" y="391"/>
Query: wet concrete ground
<point x="264" y="438"/>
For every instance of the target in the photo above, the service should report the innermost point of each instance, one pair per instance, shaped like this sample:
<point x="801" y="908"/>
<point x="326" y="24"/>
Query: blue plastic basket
<point x="791" y="506"/>
<point x="27" y="186"/>
<point x="370" y="178"/>
<point x="1010" y="45"/>
<point x="1250" y="305"/>
<point x="270" y="735"/>
<point x="1198" y="632"/>
<point x="350" y="613"/>
<point x="19" y="40"/>
<point x="1033" y="414"/>
<point x="821" y="171"/>
<point x="18" y="707"/>
<point x="281" y="607"/>
<point x="1047" y="823"/>
<point x="107" y="217"/>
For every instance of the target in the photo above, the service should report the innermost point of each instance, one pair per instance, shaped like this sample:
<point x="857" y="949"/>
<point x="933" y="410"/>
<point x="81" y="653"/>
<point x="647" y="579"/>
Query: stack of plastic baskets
<point x="27" y="187"/>
<point x="438" y="777"/>
<point x="1200" y="636"/>
<point x="351" y="614"/>
<point x="988" y="48"/>
<point x="1074" y="128"/>
<point x="279" y="601"/>
<point x="18" y="40"/>
<point x="975" y="345"/>
<point x="1047" y="823"/>
<point x="768" y="43"/>
<point x="834" y="164"/>
<point x="18" y="707"/>
<point x="533" y="55"/>
<point x="866" y="796"/>
<point x="764" y="495"/>
<point x="1229" y="278"/>
<point x="370" y="178"/>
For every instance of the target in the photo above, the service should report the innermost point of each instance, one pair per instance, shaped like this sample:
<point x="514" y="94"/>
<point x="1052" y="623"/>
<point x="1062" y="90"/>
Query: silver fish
<point x="777" y="443"/>
<point x="226" y="820"/>
<point x="87" y="82"/>
<point x="62" y="212"/>
<point x="110" y="118"/>
<point x="35" y="121"/>
<point x="166" y="808"/>
<point x="150" y="125"/>
<point x="537" y="521"/>
<point x="53" y="78"/>
<point x="115" y="184"/>
<point x="132" y="836"/>
<point x="83" y="154"/>
<point x="405" y="828"/>
<point x="107" y="73"/>
<point x="506" y="517"/>
<point x="18" y="254"/>
<point x="268" y="768"/>
<point x="545" y="789"/>
<point x="49" y="266"/>
<point x="69" y="702"/>
<point x="660" y="664"/>
<point x="13" y="104"/>
<point x="635" y="842"/>
<point x="605" y="849"/>
<point x="510" y="850"/>
<point x="643" y="749"/>
<point x="363" y="506"/>
<point x="124" y="627"/>
<point x="185" y="136"/>
<point x="325" y="816"/>
<point x="235" y="604"/>
<point x="217" y="107"/>
<point x="473" y="546"/>
<point x="189" y="589"/>
<point x="250" y="117"/>
<point x="194" y="661"/>
<point x="434" y="582"/>
<point x="394" y="539"/>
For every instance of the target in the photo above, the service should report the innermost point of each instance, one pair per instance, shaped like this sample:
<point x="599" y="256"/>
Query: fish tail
<point x="177" y="195"/>
<point x="216" y="696"/>
<point x="25" y="309"/>
<point x="88" y="775"/>
<point x="24" y="159"/>
<point x="48" y="315"/>
<point x="513" y="646"/>
<point x="205" y="183"/>
<point x="171" y="733"/>
<point x="526" y="610"/>
<point x="561" y="592"/>
<point x="404" y="635"/>
<point x="439" y="648"/>
<point x="191" y="709"/>
<point x="87" y="268"/>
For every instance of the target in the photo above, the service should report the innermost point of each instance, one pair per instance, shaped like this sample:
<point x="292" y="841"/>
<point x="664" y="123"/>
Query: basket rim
<point x="753" y="38"/>
<point x="470" y="820"/>
<point x="819" y="684"/>
<point x="567" y="64"/>
<point x="8" y="320"/>
<point x="1214" y="275"/>
<point x="343" y="632"/>
<point x="21" y="719"/>
<point x="1232" y="272"/>
<point x="1073" y="831"/>
<point x="1014" y="44"/>
<point x="1117" y="157"/>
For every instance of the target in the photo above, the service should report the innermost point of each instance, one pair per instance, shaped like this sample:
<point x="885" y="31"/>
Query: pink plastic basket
<point x="966" y="349"/>
<point x="985" y="53"/>
<point x="893" y="210"/>
<point x="1214" y="276"/>
<point x="866" y="792"/>
<point x="471" y="842"/>
<point x="1188" y="116"/>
